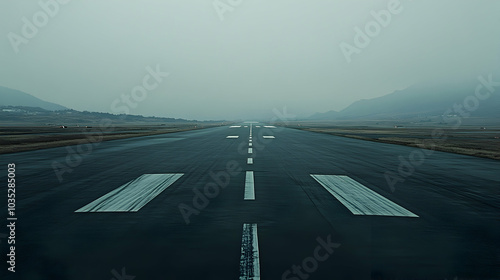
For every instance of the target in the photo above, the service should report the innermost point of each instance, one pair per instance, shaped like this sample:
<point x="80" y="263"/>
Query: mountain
<point x="19" y="115"/>
<point x="12" y="97"/>
<point x="415" y="101"/>
<point x="17" y="107"/>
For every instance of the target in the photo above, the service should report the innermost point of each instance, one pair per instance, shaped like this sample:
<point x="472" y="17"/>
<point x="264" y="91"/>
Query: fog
<point x="239" y="59"/>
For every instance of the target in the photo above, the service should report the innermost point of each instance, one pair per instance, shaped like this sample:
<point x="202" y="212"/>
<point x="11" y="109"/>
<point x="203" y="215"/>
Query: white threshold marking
<point x="249" y="186"/>
<point x="132" y="196"/>
<point x="268" y="137"/>
<point x="269" y="126"/>
<point x="249" y="260"/>
<point x="235" y="126"/>
<point x="250" y="150"/>
<point x="250" y="160"/>
<point x="232" y="137"/>
<point x="359" y="199"/>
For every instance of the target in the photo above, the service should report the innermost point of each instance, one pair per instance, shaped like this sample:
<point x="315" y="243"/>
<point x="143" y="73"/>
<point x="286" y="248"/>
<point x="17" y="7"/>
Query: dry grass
<point x="472" y="142"/>
<point x="20" y="139"/>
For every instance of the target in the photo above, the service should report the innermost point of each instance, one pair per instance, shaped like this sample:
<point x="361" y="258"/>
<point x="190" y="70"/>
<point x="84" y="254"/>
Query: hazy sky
<point x="242" y="60"/>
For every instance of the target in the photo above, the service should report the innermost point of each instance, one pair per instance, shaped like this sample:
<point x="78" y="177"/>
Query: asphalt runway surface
<point x="202" y="205"/>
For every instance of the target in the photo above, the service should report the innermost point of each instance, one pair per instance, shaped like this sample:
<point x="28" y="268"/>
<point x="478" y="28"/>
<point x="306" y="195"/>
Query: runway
<point x="252" y="201"/>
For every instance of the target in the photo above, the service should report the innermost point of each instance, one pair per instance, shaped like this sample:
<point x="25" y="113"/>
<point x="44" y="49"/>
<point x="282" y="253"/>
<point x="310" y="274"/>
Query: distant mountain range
<point x="17" y="107"/>
<point x="18" y="115"/>
<point x="12" y="97"/>
<point x="416" y="101"/>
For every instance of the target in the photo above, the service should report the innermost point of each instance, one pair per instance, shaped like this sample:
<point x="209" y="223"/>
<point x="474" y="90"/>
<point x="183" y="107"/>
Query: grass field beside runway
<point x="21" y="139"/>
<point x="472" y="141"/>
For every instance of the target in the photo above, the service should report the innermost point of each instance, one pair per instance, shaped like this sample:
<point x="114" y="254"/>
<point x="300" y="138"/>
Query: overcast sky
<point x="240" y="59"/>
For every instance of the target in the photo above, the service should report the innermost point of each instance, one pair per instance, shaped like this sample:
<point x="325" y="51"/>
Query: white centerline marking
<point x="250" y="161"/>
<point x="257" y="126"/>
<point x="250" y="144"/>
<point x="132" y="196"/>
<point x="268" y="137"/>
<point x="235" y="126"/>
<point x="232" y="137"/>
<point x="359" y="199"/>
<point x="249" y="260"/>
<point x="246" y="125"/>
<point x="269" y="126"/>
<point x="249" y="186"/>
<point x="250" y="150"/>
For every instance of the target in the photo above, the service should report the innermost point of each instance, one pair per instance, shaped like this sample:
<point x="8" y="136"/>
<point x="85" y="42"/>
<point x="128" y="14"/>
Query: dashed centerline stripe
<point x="250" y="150"/>
<point x="249" y="186"/>
<point x="235" y="126"/>
<point x="249" y="260"/>
<point x="232" y="137"/>
<point x="268" y="137"/>
<point x="132" y="196"/>
<point x="250" y="144"/>
<point x="250" y="161"/>
<point x="359" y="199"/>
